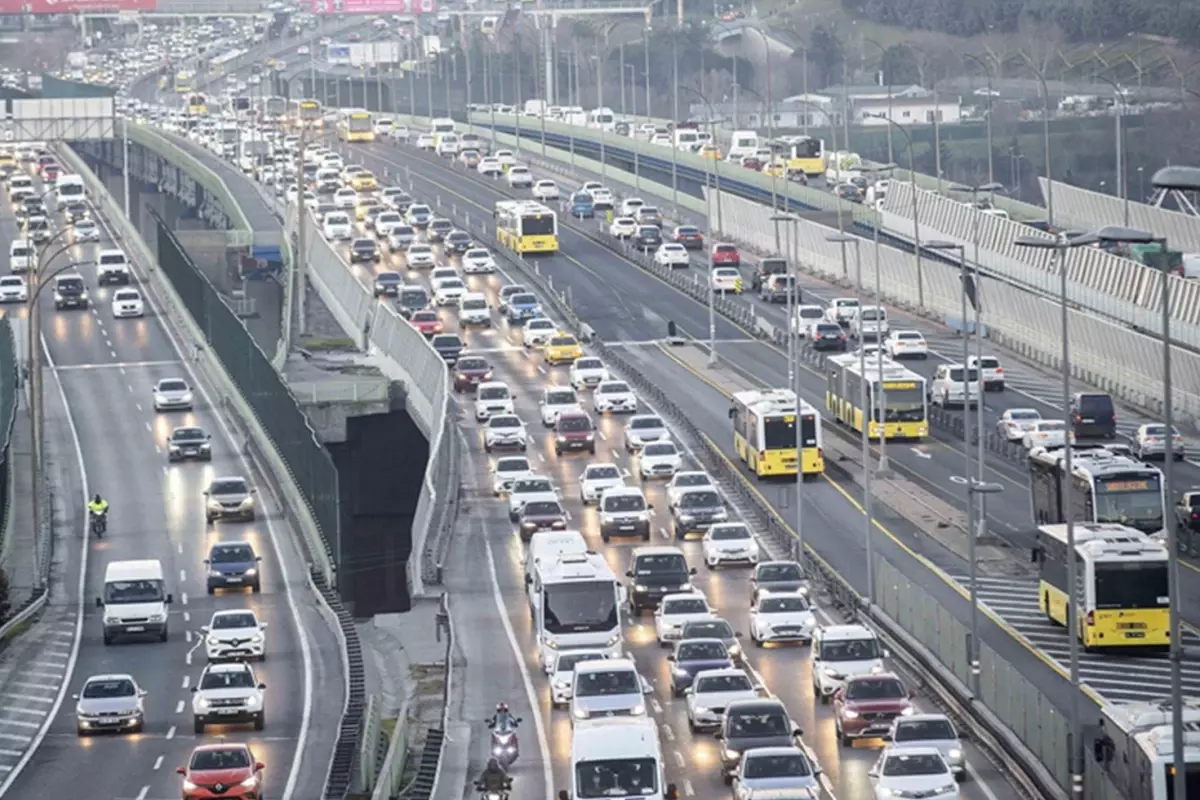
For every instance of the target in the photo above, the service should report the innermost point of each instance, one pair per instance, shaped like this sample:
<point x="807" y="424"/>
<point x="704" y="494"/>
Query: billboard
<point x="368" y="54"/>
<point x="360" y="6"/>
<point x="338" y="54"/>
<point x="75" y="6"/>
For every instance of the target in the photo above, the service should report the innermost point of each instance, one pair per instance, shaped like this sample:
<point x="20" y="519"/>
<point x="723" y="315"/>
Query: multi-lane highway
<point x="107" y="368"/>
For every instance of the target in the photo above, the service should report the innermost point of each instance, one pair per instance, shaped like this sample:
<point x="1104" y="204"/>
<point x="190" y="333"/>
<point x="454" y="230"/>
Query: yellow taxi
<point x="776" y="169"/>
<point x="365" y="201"/>
<point x="350" y="170"/>
<point x="563" y="348"/>
<point x="363" y="181"/>
<point x="8" y="161"/>
<point x="710" y="151"/>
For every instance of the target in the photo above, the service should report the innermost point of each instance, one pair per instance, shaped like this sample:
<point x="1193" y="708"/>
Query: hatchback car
<point x="751" y="724"/>
<point x="222" y="770"/>
<point x="725" y="255"/>
<point x="777" y="576"/>
<point x="387" y="284"/>
<point x="711" y="691"/>
<point x="694" y="656"/>
<point x="696" y="511"/>
<point x="780" y="618"/>
<point x="229" y="498"/>
<point x="110" y="703"/>
<point x="689" y="236"/>
<point x="233" y="565"/>
<point x="932" y="730"/>
<point x="573" y="430"/>
<point x="427" y="322"/>
<point x="866" y="705"/>
<point x="364" y="250"/>
<point x="643" y="429"/>
<point x="540" y="515"/>
<point x="471" y="371"/>
<point x="235" y="634"/>
<point x="449" y="346"/>
<point x="457" y="242"/>
<point x="438" y="229"/>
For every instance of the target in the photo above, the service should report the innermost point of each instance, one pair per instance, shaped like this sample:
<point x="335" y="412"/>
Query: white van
<point x="623" y="755"/>
<point x="382" y="126"/>
<point x="447" y="144"/>
<point x="840" y="652"/>
<point x="686" y="138"/>
<point x="607" y="688"/>
<point x="951" y="388"/>
<point x="20" y="255"/>
<point x="440" y="125"/>
<point x="135" y="600"/>
<point x="841" y="310"/>
<point x="69" y="189"/>
<point x="625" y="512"/>
<point x="742" y="143"/>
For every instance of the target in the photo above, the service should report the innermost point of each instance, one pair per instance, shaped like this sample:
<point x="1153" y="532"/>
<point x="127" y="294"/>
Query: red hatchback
<point x="573" y="431"/>
<point x="226" y="771"/>
<point x="726" y="255"/>
<point x="427" y="322"/>
<point x="866" y="706"/>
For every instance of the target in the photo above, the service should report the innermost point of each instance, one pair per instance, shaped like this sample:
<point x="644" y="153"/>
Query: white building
<point x="866" y="105"/>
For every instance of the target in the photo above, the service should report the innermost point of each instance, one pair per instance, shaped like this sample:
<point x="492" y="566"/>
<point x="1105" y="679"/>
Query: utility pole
<point x="300" y="253"/>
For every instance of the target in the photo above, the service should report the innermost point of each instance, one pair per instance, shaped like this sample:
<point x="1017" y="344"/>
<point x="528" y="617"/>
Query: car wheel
<point x="108" y="639"/>
<point x="164" y="635"/>
<point x="212" y="589"/>
<point x="198" y="725"/>
<point x="260" y="722"/>
<point x="258" y="587"/>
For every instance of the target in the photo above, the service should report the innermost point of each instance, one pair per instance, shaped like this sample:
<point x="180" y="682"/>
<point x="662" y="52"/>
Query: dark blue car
<point x="696" y="655"/>
<point x="583" y="205"/>
<point x="523" y="306"/>
<point x="232" y="565"/>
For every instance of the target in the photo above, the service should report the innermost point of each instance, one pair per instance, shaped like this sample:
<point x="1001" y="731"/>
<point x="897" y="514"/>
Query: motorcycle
<point x="99" y="524"/>
<point x="505" y="747"/>
<point x="485" y="794"/>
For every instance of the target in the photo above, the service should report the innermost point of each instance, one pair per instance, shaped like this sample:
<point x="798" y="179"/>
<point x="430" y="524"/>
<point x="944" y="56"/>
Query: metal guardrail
<point x="386" y="783"/>
<point x="369" y="756"/>
<point x="1085" y="209"/>
<point x="340" y="391"/>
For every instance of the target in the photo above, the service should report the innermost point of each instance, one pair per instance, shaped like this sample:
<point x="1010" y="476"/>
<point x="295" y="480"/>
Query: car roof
<point x="836" y="632"/>
<point x="229" y="666"/>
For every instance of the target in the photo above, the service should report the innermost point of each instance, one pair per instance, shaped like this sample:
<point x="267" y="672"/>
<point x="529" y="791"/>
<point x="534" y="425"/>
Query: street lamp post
<point x="912" y="173"/>
<point x="987" y="69"/>
<point x="794" y="377"/>
<point x="1041" y="76"/>
<point x="883" y="79"/>
<point x="712" y="297"/>
<point x="1118" y="116"/>
<point x="637" y="172"/>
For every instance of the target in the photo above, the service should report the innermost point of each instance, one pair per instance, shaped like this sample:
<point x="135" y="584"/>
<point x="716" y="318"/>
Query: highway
<point x="692" y="759"/>
<point x="107" y="368"/>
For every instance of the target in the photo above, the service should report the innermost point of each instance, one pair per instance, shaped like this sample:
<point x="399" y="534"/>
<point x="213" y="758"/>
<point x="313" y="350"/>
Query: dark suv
<point x="696" y="511"/>
<point x="754" y="723"/>
<point x="655" y="573"/>
<point x="573" y="431"/>
<point x="69" y="292"/>
<point x="772" y="265"/>
<point x="1093" y="415"/>
<point x="411" y="300"/>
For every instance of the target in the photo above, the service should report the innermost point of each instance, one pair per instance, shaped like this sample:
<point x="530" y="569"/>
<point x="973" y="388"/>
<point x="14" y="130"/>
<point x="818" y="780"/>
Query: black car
<point x="754" y="723"/>
<point x="657" y="572"/>
<point x="648" y="237"/>
<point x="70" y="292"/>
<point x="458" y="242"/>
<point x="364" y="250"/>
<point x="438" y="229"/>
<point x="75" y="211"/>
<point x="449" y="346"/>
<point x="411" y="300"/>
<point x="693" y="656"/>
<point x="232" y="565"/>
<point x="828" y="336"/>
<point x="189" y="443"/>
<point x="1093" y="415"/>
<point x="388" y="283"/>
<point x="697" y="510"/>
<point x="777" y="576"/>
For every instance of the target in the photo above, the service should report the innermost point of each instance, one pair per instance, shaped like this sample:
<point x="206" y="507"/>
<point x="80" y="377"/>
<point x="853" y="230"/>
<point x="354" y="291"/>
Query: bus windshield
<point x="359" y="123"/>
<point x="902" y="405"/>
<point x="542" y="225"/>
<point x="579" y="607"/>
<point x="808" y="148"/>
<point x="1136" y="502"/>
<point x="1131" y="584"/>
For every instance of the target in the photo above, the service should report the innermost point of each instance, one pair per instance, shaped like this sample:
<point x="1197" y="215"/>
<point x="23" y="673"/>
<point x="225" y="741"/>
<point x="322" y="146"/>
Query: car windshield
<point x="645" y="423"/>
<point x="780" y="572"/>
<point x="388" y="277"/>
<point x="699" y="499"/>
<point x="533" y="485"/>
<point x="512" y="465"/>
<point x="588" y="363"/>
<point x="777" y="605"/>
<point x="472" y="364"/>
<point x="227" y="679"/>
<point x="731" y="533"/>
<point x="110" y="687"/>
<point x="701" y="651"/>
<point x="686" y="605"/>
<point x="225" y="758"/>
<point x="625" y="503"/>
<point x="850" y="650"/>
<point x="229" y="486"/>
<point x="790" y="765"/>
<point x="70" y="284"/>
<point x="693" y="479"/>
<point x="660" y="563"/>
<point x="476" y="255"/>
<point x="660" y="449"/>
<point x="537" y="324"/>
<point x="766" y="723"/>
<point x="607" y="472"/>
<point x="145" y="591"/>
<point x="724" y="683"/>
<point x="875" y="689"/>
<point x="607" y="682"/>
<point x="562" y="341"/>
<point x="1021" y="416"/>
<point x="187" y="434"/>
<point x="425" y="316"/>
<point x="574" y="423"/>
<point x="543" y="508"/>
<point x="419" y="249"/>
<point x="914" y="764"/>
<point x="561" y="397"/>
<point x="494" y="393"/>
<point x="624" y="777"/>
<point x="708" y="629"/>
<point x="474" y="303"/>
<point x="504" y="422"/>
<point x="231" y="554"/>
<point x="567" y="661"/>
<point x="616" y="387"/>
<point x="237" y="619"/>
<point x="363" y="244"/>
<point x="524" y="300"/>
<point x="450" y="340"/>
<point x="924" y="730"/>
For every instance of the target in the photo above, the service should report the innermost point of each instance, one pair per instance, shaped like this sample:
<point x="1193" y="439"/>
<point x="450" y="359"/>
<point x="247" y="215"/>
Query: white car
<point x="906" y="344"/>
<point x="729" y="543"/>
<point x="508" y="470"/>
<point x="538" y="331"/>
<point x="659" y="460"/>
<point x="726" y="279"/>
<point x="401" y="133"/>
<point x="441" y="273"/>
<point x="682" y="481"/>
<point x="615" y="396"/>
<point x="235" y="635"/>
<point x="420" y="254"/>
<point x="623" y="227"/>
<point x="1150" y="441"/>
<point x="1014" y="423"/>
<point x="672" y="255"/>
<point x="519" y="177"/>
<point x="562" y="673"/>
<point x="1048" y="433"/>
<point x="86" y="230"/>
<point x="712" y="691"/>
<point x="337" y="227"/>
<point x="447" y="291"/>
<point x="473" y="309"/>
<point x="302" y="50"/>
<point x="630" y="205"/>
<point x="425" y="141"/>
<point x="781" y="617"/>
<point x="598" y="479"/>
<point x="505" y="431"/>
<point x="643" y="429"/>
<point x="228" y="693"/>
<point x="128" y="303"/>
<point x="507" y="158"/>
<point x="478" y="261"/>
<point x="531" y="489"/>
<point x="601" y="196"/>
<point x="587" y="373"/>
<point x="555" y="400"/>
<point x="675" y="611"/>
<point x="345" y="198"/>
<point x="13" y="289"/>
<point x="492" y="398"/>
<point x="172" y="394"/>
<point x="386" y="221"/>
<point x="931" y="730"/>
<point x="544" y="190"/>
<point x="489" y="165"/>
<point x="906" y="771"/>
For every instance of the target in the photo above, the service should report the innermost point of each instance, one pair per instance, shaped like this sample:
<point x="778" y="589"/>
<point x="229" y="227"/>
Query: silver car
<point x="932" y="730"/>
<point x="643" y="429"/>
<point x="172" y="394"/>
<point x="110" y="703"/>
<point x="229" y="498"/>
<point x="775" y="772"/>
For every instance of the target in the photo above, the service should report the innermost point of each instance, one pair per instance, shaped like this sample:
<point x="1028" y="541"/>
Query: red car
<point x="226" y="771"/>
<point x="573" y="431"/>
<point x="470" y="371"/>
<point x="866" y="705"/>
<point x="690" y="237"/>
<point x="43" y="162"/>
<point x="726" y="255"/>
<point x="427" y="322"/>
<point x="50" y="172"/>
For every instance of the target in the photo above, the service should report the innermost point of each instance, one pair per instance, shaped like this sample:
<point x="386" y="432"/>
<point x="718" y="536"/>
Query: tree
<point x="899" y="66"/>
<point x="826" y="54"/>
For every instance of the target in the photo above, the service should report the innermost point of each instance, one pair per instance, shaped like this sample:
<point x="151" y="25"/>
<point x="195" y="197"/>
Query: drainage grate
<point x="427" y="769"/>
<point x="337" y="782"/>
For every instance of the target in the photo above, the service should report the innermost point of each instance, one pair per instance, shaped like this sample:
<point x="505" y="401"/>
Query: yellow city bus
<point x="197" y="104"/>
<point x="1123" y="576"/>
<point x="307" y="112"/>
<point x="905" y="406"/>
<point x="183" y="82"/>
<point x="807" y="155"/>
<point x="764" y="433"/>
<point x="356" y="126"/>
<point x="526" y="226"/>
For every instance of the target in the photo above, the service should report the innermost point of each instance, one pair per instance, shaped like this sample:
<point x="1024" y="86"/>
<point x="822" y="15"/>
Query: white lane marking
<point x="678" y="758"/>
<point x="19" y="723"/>
<point x="182" y="575"/>
<point x="187" y="616"/>
<point x="16" y="737"/>
<point x="183" y="598"/>
<point x="179" y="707"/>
<point x="187" y="681"/>
<point x="688" y="789"/>
<point x="25" y="697"/>
<point x="158" y="762"/>
<point x="187" y="636"/>
<point x="519" y="654"/>
<point x="120" y="365"/>
<point x="9" y="753"/>
<point x="31" y="711"/>
<point x="145" y="790"/>
<point x="171" y="732"/>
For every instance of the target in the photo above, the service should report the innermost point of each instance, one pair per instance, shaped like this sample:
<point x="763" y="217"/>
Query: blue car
<point x="232" y="565"/>
<point x="523" y="306"/>
<point x="582" y="205"/>
<point x="693" y="656"/>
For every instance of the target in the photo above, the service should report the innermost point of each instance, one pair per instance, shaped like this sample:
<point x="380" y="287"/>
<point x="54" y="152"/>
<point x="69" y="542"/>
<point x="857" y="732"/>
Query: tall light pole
<point x="882" y="79"/>
<point x="794" y="378"/>
<point x="987" y="70"/>
<point x="1118" y="116"/>
<point x="881" y="403"/>
<point x="1060" y="244"/>
<point x="712" y="298"/>
<point x="637" y="171"/>
<point x="912" y="173"/>
<point x="1041" y="76"/>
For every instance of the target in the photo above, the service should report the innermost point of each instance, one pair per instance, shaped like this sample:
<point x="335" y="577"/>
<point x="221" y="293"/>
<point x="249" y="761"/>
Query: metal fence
<point x="1085" y="209"/>
<point x="10" y="381"/>
<point x="268" y="395"/>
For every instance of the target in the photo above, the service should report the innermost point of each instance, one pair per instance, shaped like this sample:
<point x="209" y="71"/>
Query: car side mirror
<point x="912" y="693"/>
<point x="736" y="634"/>
<point x="181" y="770"/>
<point x="262" y="686"/>
<point x="258" y="558"/>
<point x="873" y="773"/>
<point x="195" y="689"/>
<point x="564" y="795"/>
<point x="689" y="691"/>
<point x="170" y="599"/>
<point x="99" y="603"/>
<point x="205" y="493"/>
<point x="628" y="573"/>
<point x="797" y="732"/>
<point x="719" y="736"/>
<point x="672" y="792"/>
<point x="671" y="658"/>
<point x="205" y="562"/>
<point x="259" y="766"/>
<point x="649" y="506"/>
<point x="887" y="653"/>
<point x="692" y="571"/>
<point x="74" y="697"/>
<point x="204" y="629"/>
<point x="142" y="693"/>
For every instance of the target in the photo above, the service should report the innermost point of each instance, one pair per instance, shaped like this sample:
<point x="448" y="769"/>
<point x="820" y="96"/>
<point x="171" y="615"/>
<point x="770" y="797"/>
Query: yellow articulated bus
<point x="197" y="104"/>
<point x="899" y="390"/>
<point x="356" y="126"/>
<point x="807" y="155"/>
<point x="526" y="226"/>
<point x="764" y="433"/>
<point x="1121" y="573"/>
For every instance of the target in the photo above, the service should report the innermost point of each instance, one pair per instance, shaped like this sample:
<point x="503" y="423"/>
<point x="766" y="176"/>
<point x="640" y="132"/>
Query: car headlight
<point x="250" y="782"/>
<point x="908" y="712"/>
<point x="251" y="572"/>
<point x="735" y="650"/>
<point x="174" y="448"/>
<point x="201" y="703"/>
<point x="253" y="701"/>
<point x="248" y="502"/>
<point x="637" y="710"/>
<point x="686" y="519"/>
<point x="84" y="296"/>
<point x="188" y="786"/>
<point x="214" y="573"/>
<point x="947" y="789"/>
<point x="110" y="620"/>
<point x="613" y="640"/>
<point x="580" y="713"/>
<point x="701" y="710"/>
<point x="680" y="672"/>
<point x="954" y="754"/>
<point x="637" y="587"/>
<point x="562" y="684"/>
<point x="731" y="755"/>
<point x="158" y="617"/>
<point x="833" y="673"/>
<point x="850" y="713"/>
<point x="58" y="297"/>
<point x="721" y="514"/>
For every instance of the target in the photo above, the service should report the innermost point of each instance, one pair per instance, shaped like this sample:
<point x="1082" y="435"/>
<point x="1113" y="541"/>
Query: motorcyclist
<point x="98" y="511"/>
<point x="502" y="720"/>
<point x="493" y="778"/>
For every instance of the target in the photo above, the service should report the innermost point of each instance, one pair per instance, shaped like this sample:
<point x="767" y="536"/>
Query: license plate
<point x="626" y="527"/>
<point x="136" y="628"/>
<point x="227" y="711"/>
<point x="1135" y="635"/>
<point x="233" y="580"/>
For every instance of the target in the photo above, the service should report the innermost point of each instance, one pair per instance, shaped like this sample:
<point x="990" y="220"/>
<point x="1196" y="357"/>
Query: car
<point x="767" y="771"/>
<point x="643" y="429"/>
<point x="438" y="229"/>
<point x="449" y="346"/>
<point x="777" y="289"/>
<point x="682" y="481"/>
<point x="448" y="291"/>
<point x="596" y="479"/>
<point x="724" y="254"/>
<point x="555" y="400"/>
<point x="420" y="254"/>
<point x="712" y="690"/>
<point x="728" y="542"/>
<point x="85" y="230"/>
<point x="931" y="730"/>
<point x="671" y="254"/>
<point x="573" y="430"/>
<point x="648" y="215"/>
<point x="781" y="617"/>
<point x="602" y="197"/>
<point x="232" y="766"/>
<point x="457" y="242"/>
<point x="676" y="610"/>
<point x="419" y="216"/>
<point x="523" y="306"/>
<point x="587" y="373"/>
<point x="473" y="309"/>
<point x="659" y="460"/>
<point x="506" y="471"/>
<point x="13" y="289"/>
<point x="540" y="515"/>
<point x="345" y="198"/>
<point x="696" y="510"/>
<point x="235" y="635"/>
<point x="427" y="322"/>
<point x="777" y="577"/>
<point x="364" y="250"/>
<point x="470" y="372"/>
<point x="230" y="497"/>
<point x="840" y="652"/>
<point x="726" y="279"/>
<point x="470" y="158"/>
<point x="1093" y="414"/>
<point x="1149" y="441"/>
<point x="1046" y="433"/>
<point x="397" y="198"/>
<point x="692" y="657"/>
<point x="110" y="703"/>
<point x="374" y="212"/>
<point x="751" y="724"/>
<point x="912" y="771"/>
<point x="400" y="237"/>
<point x="337" y="227"/>
<point x="562" y="673"/>
<point x="507" y="292"/>
<point x="623" y="227"/>
<point x="70" y="292"/>
<point x="991" y="372"/>
<point x="233" y="565"/>
<point x="442" y="272"/>
<point x="630" y="205"/>
<point x="228" y="694"/>
<point x="1014" y="423"/>
<point x="492" y="398"/>
<point x="490" y="166"/>
<point x="519" y="177"/>
<point x="529" y="489"/>
<point x="172" y="394"/>
<point x="689" y="236"/>
<point x="827" y="336"/>
<point x="504" y="431"/>
<point x="543" y="190"/>
<point x="536" y="332"/>
<point x="75" y="212"/>
<point x="425" y="141"/>
<point x="614" y="396"/>
<point x="562" y="348"/>
<point x="387" y="284"/>
<point x="478" y="261"/>
<point x="647" y="237"/>
<point x="506" y="158"/>
<point x="906" y="344"/>
<point x="189" y="443"/>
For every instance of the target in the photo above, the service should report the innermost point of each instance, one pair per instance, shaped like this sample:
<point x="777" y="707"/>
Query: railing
<point x="1084" y="209"/>
<point x="331" y="390"/>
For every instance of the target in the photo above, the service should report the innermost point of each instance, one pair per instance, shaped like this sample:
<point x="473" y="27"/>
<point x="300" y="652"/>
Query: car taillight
<point x="1195" y="515"/>
<point x="1091" y="618"/>
<point x="999" y="370"/>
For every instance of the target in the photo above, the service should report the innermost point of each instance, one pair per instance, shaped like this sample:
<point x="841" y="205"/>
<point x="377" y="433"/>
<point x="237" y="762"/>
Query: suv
<point x="867" y="705"/>
<point x="754" y="723"/>
<point x="1093" y="414"/>
<point x="573" y="431"/>
<point x="624" y="512"/>
<point x="951" y="388"/>
<point x="840" y="652"/>
<point x="112" y="267"/>
<point x="654" y="573"/>
<point x="993" y="372"/>
<point x="232" y="565"/>
<point x="776" y="288"/>
<point x="229" y="498"/>
<point x="696" y="510"/>
<point x="70" y="292"/>
<point x="228" y="693"/>
<point x="767" y="267"/>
